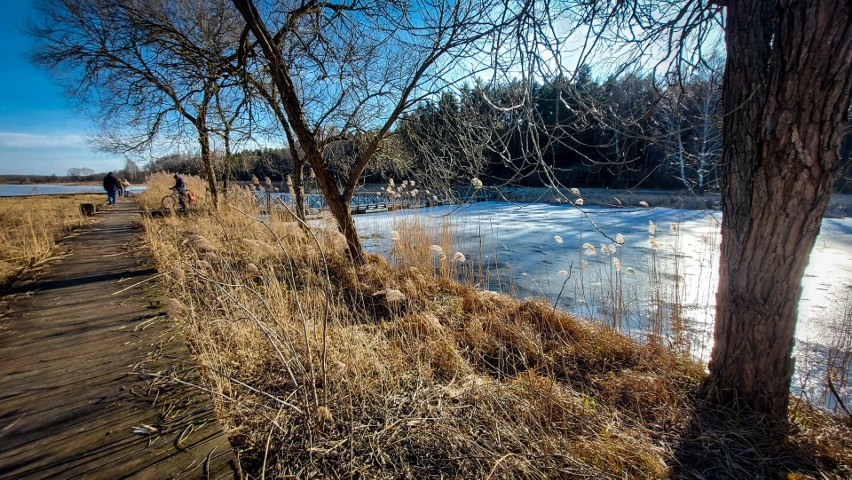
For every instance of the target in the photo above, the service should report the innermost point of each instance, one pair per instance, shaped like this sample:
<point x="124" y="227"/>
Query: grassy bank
<point x="30" y="226"/>
<point x="322" y="369"/>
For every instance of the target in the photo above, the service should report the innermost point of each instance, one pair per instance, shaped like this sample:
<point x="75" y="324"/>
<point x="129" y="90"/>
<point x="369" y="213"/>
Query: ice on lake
<point x="643" y="283"/>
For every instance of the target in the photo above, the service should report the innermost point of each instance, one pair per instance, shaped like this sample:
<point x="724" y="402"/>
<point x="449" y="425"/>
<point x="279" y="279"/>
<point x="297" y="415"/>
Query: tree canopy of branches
<point x="350" y="69"/>
<point x="148" y="68"/>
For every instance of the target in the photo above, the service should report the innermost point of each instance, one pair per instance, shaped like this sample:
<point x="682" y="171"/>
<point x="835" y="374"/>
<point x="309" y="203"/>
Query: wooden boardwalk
<point x="78" y="348"/>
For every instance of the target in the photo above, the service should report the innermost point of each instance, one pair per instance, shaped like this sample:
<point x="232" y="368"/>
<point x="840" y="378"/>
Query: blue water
<point x="48" y="189"/>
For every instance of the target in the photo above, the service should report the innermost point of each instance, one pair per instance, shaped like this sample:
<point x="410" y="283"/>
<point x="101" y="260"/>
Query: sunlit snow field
<point x="538" y="250"/>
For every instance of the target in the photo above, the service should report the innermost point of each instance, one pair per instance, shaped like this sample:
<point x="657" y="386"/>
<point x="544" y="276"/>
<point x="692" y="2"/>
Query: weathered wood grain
<point x="84" y="359"/>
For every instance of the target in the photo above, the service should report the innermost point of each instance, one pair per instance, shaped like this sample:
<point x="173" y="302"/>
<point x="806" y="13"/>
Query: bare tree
<point x="691" y="136"/>
<point x="148" y="67"/>
<point x="342" y="69"/>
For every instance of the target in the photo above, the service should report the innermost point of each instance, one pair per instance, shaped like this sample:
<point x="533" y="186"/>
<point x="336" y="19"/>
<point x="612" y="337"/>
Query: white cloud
<point x="39" y="153"/>
<point x="40" y="140"/>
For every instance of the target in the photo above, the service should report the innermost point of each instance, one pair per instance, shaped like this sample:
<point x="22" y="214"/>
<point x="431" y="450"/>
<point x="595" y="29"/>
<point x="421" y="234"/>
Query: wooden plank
<point x="122" y="452"/>
<point x="71" y="384"/>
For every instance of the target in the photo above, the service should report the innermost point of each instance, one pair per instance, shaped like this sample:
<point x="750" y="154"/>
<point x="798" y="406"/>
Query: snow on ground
<point x="517" y="246"/>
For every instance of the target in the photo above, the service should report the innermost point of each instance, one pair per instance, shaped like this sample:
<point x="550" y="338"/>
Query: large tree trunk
<point x="786" y="92"/>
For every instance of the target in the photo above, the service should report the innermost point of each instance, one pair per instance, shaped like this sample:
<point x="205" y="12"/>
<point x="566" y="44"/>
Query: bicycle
<point x="170" y="201"/>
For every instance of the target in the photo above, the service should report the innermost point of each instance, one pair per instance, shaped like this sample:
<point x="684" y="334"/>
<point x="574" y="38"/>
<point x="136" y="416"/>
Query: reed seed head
<point x="654" y="244"/>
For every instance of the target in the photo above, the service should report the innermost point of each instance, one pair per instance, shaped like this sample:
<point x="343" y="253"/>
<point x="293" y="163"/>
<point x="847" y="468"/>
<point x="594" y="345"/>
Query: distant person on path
<point x="111" y="185"/>
<point x="180" y="188"/>
<point x="125" y="187"/>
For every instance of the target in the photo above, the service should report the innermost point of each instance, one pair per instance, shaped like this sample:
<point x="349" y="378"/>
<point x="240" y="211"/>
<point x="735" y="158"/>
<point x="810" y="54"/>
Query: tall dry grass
<point x="158" y="185"/>
<point x="30" y="226"/>
<point x="324" y="369"/>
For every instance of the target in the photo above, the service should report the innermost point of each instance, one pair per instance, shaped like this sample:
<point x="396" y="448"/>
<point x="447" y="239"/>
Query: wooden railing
<point x="366" y="202"/>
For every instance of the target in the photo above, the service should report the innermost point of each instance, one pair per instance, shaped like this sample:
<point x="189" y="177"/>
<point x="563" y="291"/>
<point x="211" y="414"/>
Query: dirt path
<point x="83" y="356"/>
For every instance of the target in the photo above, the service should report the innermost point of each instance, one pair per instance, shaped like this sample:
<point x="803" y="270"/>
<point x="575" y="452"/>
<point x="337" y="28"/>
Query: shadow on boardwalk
<point x="83" y="356"/>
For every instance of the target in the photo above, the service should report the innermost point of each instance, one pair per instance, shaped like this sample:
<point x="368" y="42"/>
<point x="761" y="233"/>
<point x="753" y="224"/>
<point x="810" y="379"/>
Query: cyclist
<point x="180" y="188"/>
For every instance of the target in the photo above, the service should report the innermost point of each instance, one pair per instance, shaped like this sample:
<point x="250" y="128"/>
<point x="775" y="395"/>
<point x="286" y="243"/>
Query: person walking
<point x="125" y="187"/>
<point x="111" y="186"/>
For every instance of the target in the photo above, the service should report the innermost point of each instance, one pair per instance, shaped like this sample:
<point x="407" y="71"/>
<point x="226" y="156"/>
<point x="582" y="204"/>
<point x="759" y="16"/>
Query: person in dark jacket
<point x="111" y="186"/>
<point x="180" y="188"/>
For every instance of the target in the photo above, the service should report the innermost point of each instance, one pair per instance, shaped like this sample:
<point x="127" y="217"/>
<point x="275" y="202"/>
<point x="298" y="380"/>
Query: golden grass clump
<point x="327" y="369"/>
<point x="30" y="226"/>
<point x="158" y="186"/>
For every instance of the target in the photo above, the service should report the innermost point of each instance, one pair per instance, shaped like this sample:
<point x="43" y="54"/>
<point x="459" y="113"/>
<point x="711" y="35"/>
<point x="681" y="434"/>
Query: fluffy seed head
<point x="619" y="239"/>
<point x="653" y="240"/>
<point x="458" y="257"/>
<point x="557" y="238"/>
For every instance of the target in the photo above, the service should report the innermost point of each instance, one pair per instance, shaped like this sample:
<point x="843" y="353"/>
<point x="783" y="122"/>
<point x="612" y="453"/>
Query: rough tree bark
<point x="786" y="96"/>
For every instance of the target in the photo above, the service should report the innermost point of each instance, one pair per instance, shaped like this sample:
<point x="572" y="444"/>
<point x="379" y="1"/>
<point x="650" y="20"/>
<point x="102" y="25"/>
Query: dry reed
<point x="325" y="369"/>
<point x="30" y="226"/>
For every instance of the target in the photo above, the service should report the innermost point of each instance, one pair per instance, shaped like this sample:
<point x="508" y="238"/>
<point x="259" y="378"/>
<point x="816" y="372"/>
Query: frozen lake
<point x="51" y="189"/>
<point x="602" y="264"/>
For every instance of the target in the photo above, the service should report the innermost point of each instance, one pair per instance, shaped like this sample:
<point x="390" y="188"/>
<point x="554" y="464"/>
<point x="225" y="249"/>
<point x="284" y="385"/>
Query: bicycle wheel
<point x="169" y="202"/>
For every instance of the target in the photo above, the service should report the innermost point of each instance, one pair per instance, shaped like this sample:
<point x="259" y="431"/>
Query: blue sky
<point x="41" y="132"/>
